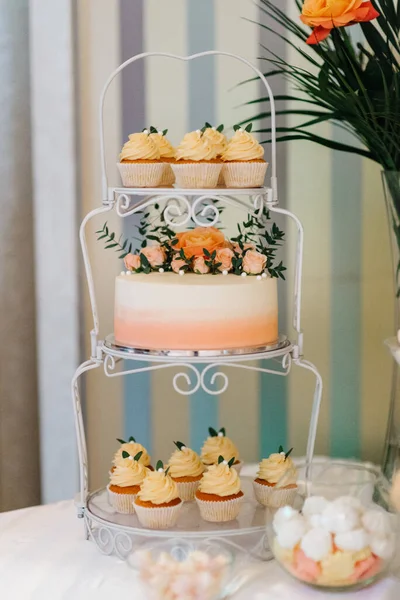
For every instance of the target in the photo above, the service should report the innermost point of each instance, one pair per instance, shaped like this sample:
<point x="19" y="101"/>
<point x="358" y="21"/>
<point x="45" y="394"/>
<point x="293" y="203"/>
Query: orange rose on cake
<point x="325" y="15"/>
<point x="254" y="262"/>
<point x="197" y="165"/>
<point x="140" y="164"/>
<point x="195" y="241"/>
<point x="155" y="255"/>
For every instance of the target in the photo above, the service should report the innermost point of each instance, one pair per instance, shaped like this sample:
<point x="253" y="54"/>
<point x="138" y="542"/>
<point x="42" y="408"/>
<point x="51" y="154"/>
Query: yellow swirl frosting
<point x="165" y="147"/>
<point x="158" y="488"/>
<point x="131" y="448"/>
<point x="140" y="146"/>
<point x="220" y="480"/>
<point x="185" y="463"/>
<point x="195" y="146"/>
<point x="128" y="472"/>
<point x="276" y="469"/>
<point x="243" y="147"/>
<point x="216" y="138"/>
<point x="216" y="446"/>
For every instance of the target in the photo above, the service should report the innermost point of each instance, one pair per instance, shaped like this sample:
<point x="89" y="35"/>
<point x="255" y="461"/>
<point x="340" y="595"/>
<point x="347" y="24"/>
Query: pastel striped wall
<point x="347" y="290"/>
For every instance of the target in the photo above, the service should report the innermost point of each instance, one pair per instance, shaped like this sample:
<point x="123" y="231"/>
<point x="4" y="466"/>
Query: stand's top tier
<point x="108" y="193"/>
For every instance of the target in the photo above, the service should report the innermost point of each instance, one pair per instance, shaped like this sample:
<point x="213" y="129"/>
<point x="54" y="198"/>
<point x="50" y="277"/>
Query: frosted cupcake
<point x="125" y="482"/>
<point x="197" y="165"/>
<point x="218" y="140"/>
<point x="140" y="164"/>
<point x="276" y="482"/>
<point x="167" y="154"/>
<point x="219" y="496"/>
<point x="158" y="504"/>
<point x="133" y="448"/>
<point x="244" y="164"/>
<point x="218" y="444"/>
<point x="186" y="469"/>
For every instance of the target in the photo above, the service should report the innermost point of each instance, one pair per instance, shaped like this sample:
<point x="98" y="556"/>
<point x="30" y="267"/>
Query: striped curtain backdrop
<point x="347" y="303"/>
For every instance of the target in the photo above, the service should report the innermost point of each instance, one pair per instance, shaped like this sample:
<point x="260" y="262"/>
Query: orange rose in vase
<point x="325" y="15"/>
<point x="193" y="242"/>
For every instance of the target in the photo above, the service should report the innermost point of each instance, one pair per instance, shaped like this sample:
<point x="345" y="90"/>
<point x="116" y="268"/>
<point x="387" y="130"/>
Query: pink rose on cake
<point x="132" y="262"/>
<point x="224" y="256"/>
<point x="155" y="255"/>
<point x="246" y="246"/>
<point x="177" y="263"/>
<point x="254" y="262"/>
<point x="193" y="242"/>
<point x="199" y="266"/>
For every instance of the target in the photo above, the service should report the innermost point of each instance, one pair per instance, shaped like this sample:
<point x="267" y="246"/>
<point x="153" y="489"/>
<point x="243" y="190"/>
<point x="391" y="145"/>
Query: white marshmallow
<point x="314" y="505"/>
<point x="317" y="544"/>
<point x="291" y="532"/>
<point x="350" y="502"/>
<point x="382" y="547"/>
<point x="354" y="541"/>
<point x="315" y="521"/>
<point x="338" y="519"/>
<point x="376" y="522"/>
<point x="283" y="515"/>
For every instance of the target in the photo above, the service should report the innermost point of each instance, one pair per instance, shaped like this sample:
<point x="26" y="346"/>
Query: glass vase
<point x="391" y="457"/>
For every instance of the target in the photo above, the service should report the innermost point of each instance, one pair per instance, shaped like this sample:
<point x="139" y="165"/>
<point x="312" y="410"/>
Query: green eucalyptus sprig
<point x="120" y="245"/>
<point x="211" y="261"/>
<point x="287" y="454"/>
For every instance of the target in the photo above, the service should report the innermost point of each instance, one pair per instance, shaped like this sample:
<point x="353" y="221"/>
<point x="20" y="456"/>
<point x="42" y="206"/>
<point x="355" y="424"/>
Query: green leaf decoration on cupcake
<point x="121" y="441"/>
<point x="249" y="127"/>
<point x="220" y="459"/>
<point x="165" y="132"/>
<point x="167" y="471"/>
<point x="287" y="454"/>
<point x="231" y="462"/>
<point x="220" y="128"/>
<point x="159" y="465"/>
<point x="138" y="456"/>
<point x="236" y="127"/>
<point x="132" y="439"/>
<point x="153" y="129"/>
<point x="212" y="432"/>
<point x="223" y="431"/>
<point x="125" y="454"/>
<point x="180" y="445"/>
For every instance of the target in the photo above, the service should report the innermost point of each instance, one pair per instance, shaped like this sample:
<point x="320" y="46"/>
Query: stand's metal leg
<point x="80" y="434"/>
<point x="312" y="432"/>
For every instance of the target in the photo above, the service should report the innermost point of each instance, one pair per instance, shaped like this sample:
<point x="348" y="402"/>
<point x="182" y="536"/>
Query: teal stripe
<point x="273" y="396"/>
<point x="201" y="82"/>
<point x="346" y="232"/>
<point x="137" y="406"/>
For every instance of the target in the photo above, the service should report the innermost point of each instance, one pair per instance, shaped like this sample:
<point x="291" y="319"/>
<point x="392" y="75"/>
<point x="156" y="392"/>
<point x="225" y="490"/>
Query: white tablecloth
<point x="44" y="556"/>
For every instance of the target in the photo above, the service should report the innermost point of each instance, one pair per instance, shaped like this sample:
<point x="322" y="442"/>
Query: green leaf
<point x="174" y="241"/>
<point x="220" y="128"/>
<point x="288" y="453"/>
<point x="280" y="449"/>
<point x="206" y="253"/>
<point x="159" y="465"/>
<point x="223" y="431"/>
<point x="167" y="471"/>
<point x="125" y="454"/>
<point x="231" y="462"/>
<point x="153" y="129"/>
<point x="114" y="245"/>
<point x="179" y="445"/>
<point x="249" y="127"/>
<point x="138" y="456"/>
<point x="236" y="127"/>
<point x="212" y="432"/>
<point x="220" y="459"/>
<point x="165" y="132"/>
<point x="132" y="439"/>
<point x="102" y="236"/>
<point x="123" y="255"/>
<point x="121" y="441"/>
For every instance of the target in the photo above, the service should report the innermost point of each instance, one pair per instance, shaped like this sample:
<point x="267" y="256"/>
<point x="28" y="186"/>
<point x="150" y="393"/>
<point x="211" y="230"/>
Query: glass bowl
<point x="180" y="569"/>
<point x="341" y="532"/>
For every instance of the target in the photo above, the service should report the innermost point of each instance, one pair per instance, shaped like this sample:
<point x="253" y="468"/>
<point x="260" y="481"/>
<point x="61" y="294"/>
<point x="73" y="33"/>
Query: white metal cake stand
<point x="120" y="534"/>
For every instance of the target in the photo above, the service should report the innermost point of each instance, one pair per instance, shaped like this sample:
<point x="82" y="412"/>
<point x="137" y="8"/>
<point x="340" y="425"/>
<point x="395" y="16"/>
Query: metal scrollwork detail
<point x="109" y="365"/>
<point x="193" y="386"/>
<point x="218" y="375"/>
<point x="208" y="209"/>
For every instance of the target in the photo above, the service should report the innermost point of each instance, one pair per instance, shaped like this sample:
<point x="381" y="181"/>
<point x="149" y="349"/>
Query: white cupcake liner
<point x="244" y="174"/>
<point x="197" y="175"/>
<point x="221" y="178"/>
<point x="141" y="174"/>
<point x="158" y="517"/>
<point x="272" y="496"/>
<point x="168" y="177"/>
<point x="122" y="503"/>
<point x="187" y="489"/>
<point x="219" y="511"/>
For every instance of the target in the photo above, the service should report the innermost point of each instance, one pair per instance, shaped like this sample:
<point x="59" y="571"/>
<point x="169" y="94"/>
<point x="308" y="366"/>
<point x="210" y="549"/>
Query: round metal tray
<point x="119" y="534"/>
<point x="283" y="344"/>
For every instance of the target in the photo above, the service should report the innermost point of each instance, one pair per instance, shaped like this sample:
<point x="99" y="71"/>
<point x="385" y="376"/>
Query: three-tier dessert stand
<point x="120" y="534"/>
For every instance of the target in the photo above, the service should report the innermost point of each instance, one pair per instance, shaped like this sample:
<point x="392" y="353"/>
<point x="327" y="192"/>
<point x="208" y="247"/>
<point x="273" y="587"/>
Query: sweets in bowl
<point x="334" y="544"/>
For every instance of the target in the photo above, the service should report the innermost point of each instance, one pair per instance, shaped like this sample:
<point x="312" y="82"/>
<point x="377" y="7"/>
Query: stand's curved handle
<point x="274" y="184"/>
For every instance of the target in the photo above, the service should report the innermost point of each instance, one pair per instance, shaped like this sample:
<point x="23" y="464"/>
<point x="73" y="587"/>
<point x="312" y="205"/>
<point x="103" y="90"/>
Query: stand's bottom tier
<point x="119" y="534"/>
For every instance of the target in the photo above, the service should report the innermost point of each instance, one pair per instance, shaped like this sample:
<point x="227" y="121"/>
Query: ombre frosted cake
<point x="195" y="312"/>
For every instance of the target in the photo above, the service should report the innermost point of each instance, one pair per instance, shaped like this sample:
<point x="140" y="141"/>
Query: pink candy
<point x="304" y="568"/>
<point x="367" y="568"/>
